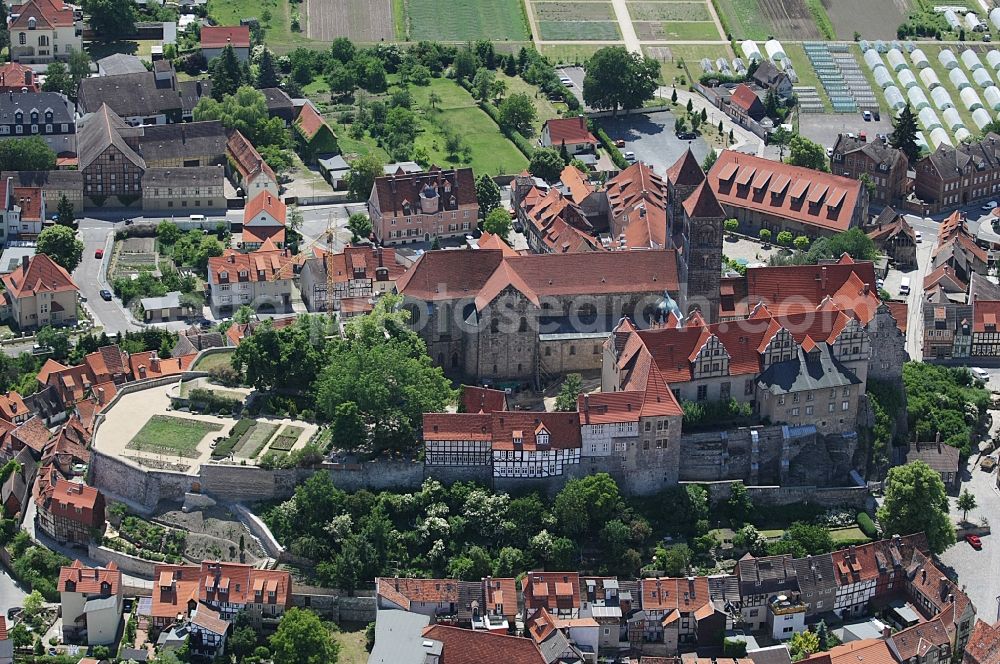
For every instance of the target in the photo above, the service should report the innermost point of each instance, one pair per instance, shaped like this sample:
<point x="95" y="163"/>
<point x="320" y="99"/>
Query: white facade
<point x="602" y="440"/>
<point x="786" y="621"/>
<point x="43" y="45"/>
<point x="100" y="615"/>
<point x="852" y="598"/>
<point x="533" y="463"/>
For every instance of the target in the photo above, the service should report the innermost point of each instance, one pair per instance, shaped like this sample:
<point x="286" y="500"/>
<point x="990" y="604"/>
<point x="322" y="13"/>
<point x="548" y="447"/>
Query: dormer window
<point x="243" y="274"/>
<point x="543" y="437"/>
<point x="223" y="276"/>
<point x="19" y="116"/>
<point x="31" y="22"/>
<point x="34" y="117"/>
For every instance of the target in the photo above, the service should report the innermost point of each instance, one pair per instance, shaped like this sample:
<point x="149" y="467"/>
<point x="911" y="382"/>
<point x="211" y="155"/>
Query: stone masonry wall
<point x="141" y="488"/>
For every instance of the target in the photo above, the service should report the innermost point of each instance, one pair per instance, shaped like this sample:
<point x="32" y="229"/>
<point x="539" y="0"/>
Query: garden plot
<point x="254" y="440"/>
<point x="668" y="11"/>
<point x="361" y="20"/>
<point x="672" y="30"/>
<point x="177" y="436"/>
<point x="285" y="441"/>
<point x="135" y="255"/>
<point x="465" y="20"/>
<point x="574" y="11"/>
<point x="579" y="30"/>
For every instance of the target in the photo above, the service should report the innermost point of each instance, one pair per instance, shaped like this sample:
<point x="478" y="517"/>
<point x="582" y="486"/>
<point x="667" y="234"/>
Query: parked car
<point x="687" y="135"/>
<point x="989" y="207"/>
<point x="13" y="611"/>
<point x="867" y="116"/>
<point x="620" y="143"/>
<point x="919" y="236"/>
<point x="980" y="373"/>
<point x="630" y="156"/>
<point x="38" y="349"/>
<point x="99" y="253"/>
<point x="988" y="464"/>
<point x="105" y="295"/>
<point x="974" y="541"/>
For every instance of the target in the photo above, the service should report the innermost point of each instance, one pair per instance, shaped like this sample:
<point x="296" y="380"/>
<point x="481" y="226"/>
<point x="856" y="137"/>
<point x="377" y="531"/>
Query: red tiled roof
<point x="206" y="618"/>
<point x="175" y="586"/>
<point x="814" y="198"/>
<point x="403" y="591"/>
<point x="90" y="580"/>
<point x="362" y="262"/>
<point x="474" y="399"/>
<point x="501" y="593"/>
<point x="948" y="278"/>
<point x="48" y="14"/>
<point x="855" y="564"/>
<point x="245" y="157"/>
<point x="502" y="428"/>
<point x="32" y="433"/>
<point x="918" y="640"/>
<point x="397" y="195"/>
<point x="900" y="312"/>
<point x="576" y="183"/>
<point x="702" y="204"/>
<point x="799" y="288"/>
<point x="984" y="644"/>
<point x="570" y="130"/>
<point x="43" y="275"/>
<point x="154" y="367"/>
<point x="261" y="265"/>
<point x="628" y="406"/>
<point x="466" y="646"/>
<point x="868" y="651"/>
<point x="556" y="219"/>
<point x="551" y="590"/>
<point x="264" y="202"/>
<point x="29" y="199"/>
<point x="222" y="35"/>
<point x="490" y="241"/>
<point x="638" y="200"/>
<point x="686" y="170"/>
<point x="243" y="584"/>
<point x="11" y="406"/>
<point x="985" y="316"/>
<point x="3" y="628"/>
<point x="667" y="594"/>
<point x="309" y="121"/>
<point x="744" y="97"/>
<point x="14" y="76"/>
<point x="262" y="234"/>
<point x="67" y="497"/>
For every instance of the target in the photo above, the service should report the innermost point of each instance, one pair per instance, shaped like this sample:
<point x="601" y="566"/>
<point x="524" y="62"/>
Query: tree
<point x="57" y="79"/>
<point x="360" y="226"/>
<point x="749" y="539"/>
<point x="242" y="642"/>
<point x="617" y="79"/>
<point x="771" y="103"/>
<point x="21" y="637"/>
<point x="464" y="64"/>
<point x="801" y="243"/>
<point x="764" y="235"/>
<point x="243" y="315"/>
<point x="545" y="164"/>
<point x="498" y="223"/>
<point x="814" y="540"/>
<point x="739" y="505"/>
<point x="302" y="639"/>
<point x="56" y="340"/>
<point x="675" y="559"/>
<point x="784" y="238"/>
<point x="227" y="74"/>
<point x="382" y="365"/>
<point x="966" y="503"/>
<point x="803" y="152"/>
<point x="246" y="111"/>
<point x="61" y="245"/>
<point x="517" y="112"/>
<point x="904" y="134"/>
<point x="673" y="96"/>
<point x="33" y="605"/>
<point x="586" y="504"/>
<point x="731" y="225"/>
<point x="268" y="75"/>
<point x="497" y="90"/>
<point x="482" y="82"/>
<point x="64" y="213"/>
<point x="282" y="358"/>
<point x="433" y="99"/>
<point x="709" y="161"/>
<point x="869" y="183"/>
<point x="26" y="154"/>
<point x="348" y="431"/>
<point x="780" y="137"/>
<point x="168" y="232"/>
<point x="803" y="644"/>
<point x="568" y="393"/>
<point x="111" y="19"/>
<point x="916" y="501"/>
<point x="487" y="193"/>
<point x="361" y="177"/>
<point x="690" y="106"/>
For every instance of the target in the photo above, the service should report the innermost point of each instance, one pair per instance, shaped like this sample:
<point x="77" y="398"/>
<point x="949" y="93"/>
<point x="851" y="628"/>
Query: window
<point x="748" y="387"/>
<point x="22" y="39"/>
<point x="845" y="405"/>
<point x="809" y="410"/>
<point x="795" y="412"/>
<point x="572" y="350"/>
<point x="702" y="392"/>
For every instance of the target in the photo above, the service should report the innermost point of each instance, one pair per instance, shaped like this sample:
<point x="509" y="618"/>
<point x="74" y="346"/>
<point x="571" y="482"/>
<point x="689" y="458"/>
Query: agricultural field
<point x="877" y="19"/>
<point x="460" y="20"/>
<point x="675" y="30"/>
<point x="364" y="21"/>
<point x="278" y="31"/>
<point x="573" y="11"/>
<point x="178" y="436"/>
<point x="668" y="11"/>
<point x="579" y="30"/>
<point x="760" y="19"/>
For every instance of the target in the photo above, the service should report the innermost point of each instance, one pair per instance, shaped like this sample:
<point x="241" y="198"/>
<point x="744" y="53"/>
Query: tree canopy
<point x="943" y="400"/>
<point x="904" y="134"/>
<point x="487" y="193"/>
<point x="803" y="152"/>
<point x="916" y="501"/>
<point x="26" y="154"/>
<point x="289" y="357"/>
<point x="361" y="177"/>
<point x="111" y="19"/>
<point x="61" y="245"/>
<point x="617" y="79"/>
<point x="545" y="163"/>
<point x="301" y="638"/>
<point x="245" y="110"/>
<point x="498" y="222"/>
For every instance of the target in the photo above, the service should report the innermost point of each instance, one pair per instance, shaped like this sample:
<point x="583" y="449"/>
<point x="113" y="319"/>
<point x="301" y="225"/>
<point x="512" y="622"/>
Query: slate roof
<point x="940" y="457"/>
<point x="766" y="575"/>
<point x="399" y="638"/>
<point x="184" y="141"/>
<point x="141" y="94"/>
<point x="949" y="161"/>
<point x="877" y="150"/>
<point x="120" y="63"/>
<point x="103" y="130"/>
<point x="391" y="191"/>
<point x="26" y="102"/>
<point x="811" y="371"/>
<point x="176" y="176"/>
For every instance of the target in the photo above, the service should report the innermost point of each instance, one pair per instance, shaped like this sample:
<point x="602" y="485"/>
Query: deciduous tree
<point x="966" y="503"/>
<point x="360" y="225"/>
<point x="487" y="193"/>
<point x="361" y="177"/>
<point x="916" y="501"/>
<point x="545" y="164"/>
<point x="617" y="79"/>
<point x="803" y="152"/>
<point x="498" y="223"/>
<point x="568" y="393"/>
<point x="26" y="154"/>
<point x="61" y="245"/>
<point x="302" y="638"/>
<point x="111" y="19"/>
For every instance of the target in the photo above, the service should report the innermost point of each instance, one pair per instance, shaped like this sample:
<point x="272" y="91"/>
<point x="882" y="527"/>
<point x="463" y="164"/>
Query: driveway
<point x="651" y="137"/>
<point x="915" y="325"/>
<point x="11" y="594"/>
<point x="968" y="563"/>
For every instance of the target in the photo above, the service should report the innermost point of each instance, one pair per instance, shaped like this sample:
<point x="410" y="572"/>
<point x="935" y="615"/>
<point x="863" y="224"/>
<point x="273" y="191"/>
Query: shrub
<point x="866" y="525"/>
<point x="213" y="402"/>
<point x="616" y="155"/>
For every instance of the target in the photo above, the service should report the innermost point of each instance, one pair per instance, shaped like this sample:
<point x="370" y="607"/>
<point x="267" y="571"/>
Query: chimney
<point x="154" y="362"/>
<point x="586" y="403"/>
<point x="100" y="395"/>
<point x="822" y="278"/>
<point x="866" y="289"/>
<point x="923" y="576"/>
<point x="886" y="632"/>
<point x="24" y="262"/>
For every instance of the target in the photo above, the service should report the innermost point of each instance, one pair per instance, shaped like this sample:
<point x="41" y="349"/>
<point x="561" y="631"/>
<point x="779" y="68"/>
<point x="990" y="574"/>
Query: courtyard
<point x="166" y="438"/>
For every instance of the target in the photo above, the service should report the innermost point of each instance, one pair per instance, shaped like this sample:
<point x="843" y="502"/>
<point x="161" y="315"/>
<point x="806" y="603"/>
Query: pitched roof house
<point x="572" y="132"/>
<point x="40" y="292"/>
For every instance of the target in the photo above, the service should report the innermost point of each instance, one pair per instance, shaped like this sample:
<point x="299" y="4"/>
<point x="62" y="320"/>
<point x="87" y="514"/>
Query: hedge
<point x="616" y="155"/>
<point x="866" y="525"/>
<point x="515" y="136"/>
<point x="225" y="448"/>
<point x="213" y="402"/>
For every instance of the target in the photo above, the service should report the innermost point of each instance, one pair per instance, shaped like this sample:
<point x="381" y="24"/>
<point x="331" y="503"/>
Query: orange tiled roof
<point x="628" y="406"/>
<point x="309" y="121"/>
<point x="501" y="593"/>
<point x="154" y="367"/>
<point x="48" y="14"/>
<point x="466" y="646"/>
<point x="90" y="580"/>
<point x="551" y="590"/>
<point x="576" y="183"/>
<point x="984" y="644"/>
<point x="869" y="651"/>
<point x="569" y="130"/>
<point x="262" y="265"/>
<point x="490" y="241"/>
<point x="262" y="234"/>
<point x="744" y="97"/>
<point x="669" y="594"/>
<point x="403" y="591"/>
<point x="791" y="192"/>
<point x="476" y="399"/>
<point x="29" y="199"/>
<point x="14" y="76"/>
<point x="220" y="36"/>
<point x="264" y="202"/>
<point x="11" y="406"/>
<point x="43" y="275"/>
<point x="638" y="200"/>
<point x="245" y="157"/>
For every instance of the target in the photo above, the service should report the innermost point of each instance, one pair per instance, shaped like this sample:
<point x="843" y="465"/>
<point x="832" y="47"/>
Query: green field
<point x="744" y="19"/>
<point x="546" y="109"/>
<point x="214" y="361"/>
<point x="254" y="440"/>
<point x="278" y="33"/>
<point x="579" y="30"/>
<point x="671" y="30"/>
<point x="164" y="434"/>
<point x="464" y="20"/>
<point x="568" y="53"/>
<point x="491" y="151"/>
<point x="286" y="440"/>
<point x="573" y="11"/>
<point x="847" y="534"/>
<point x="668" y="11"/>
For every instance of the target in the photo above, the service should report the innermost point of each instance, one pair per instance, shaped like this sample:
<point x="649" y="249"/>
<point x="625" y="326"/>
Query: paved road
<point x="625" y="25"/>
<point x="11" y="594"/>
<point x="95" y="234"/>
<point x="915" y="323"/>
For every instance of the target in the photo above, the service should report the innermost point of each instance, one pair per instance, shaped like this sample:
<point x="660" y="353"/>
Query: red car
<point x="974" y="541"/>
<point x="620" y="143"/>
<point x="99" y="253"/>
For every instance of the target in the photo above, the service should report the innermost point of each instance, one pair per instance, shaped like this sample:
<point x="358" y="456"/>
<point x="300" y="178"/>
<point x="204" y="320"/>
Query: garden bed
<point x="254" y="440"/>
<point x="239" y="429"/>
<point x="286" y="440"/>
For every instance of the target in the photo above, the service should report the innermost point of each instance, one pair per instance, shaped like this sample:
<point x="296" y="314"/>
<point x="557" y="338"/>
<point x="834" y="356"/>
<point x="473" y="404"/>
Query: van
<point x="904" y="286"/>
<point x="980" y="374"/>
<point x="197" y="217"/>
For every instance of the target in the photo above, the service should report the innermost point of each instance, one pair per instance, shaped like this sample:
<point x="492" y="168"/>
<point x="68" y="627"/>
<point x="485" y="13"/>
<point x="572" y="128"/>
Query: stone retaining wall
<point x="128" y="564"/>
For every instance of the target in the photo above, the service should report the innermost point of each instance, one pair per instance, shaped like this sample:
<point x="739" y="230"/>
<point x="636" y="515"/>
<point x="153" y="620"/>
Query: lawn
<point x="465" y="20"/>
<point x="357" y="147"/>
<point x="491" y="151"/>
<point x="164" y="434"/>
<point x="286" y="439"/>
<point x="214" y="361"/>
<point x="744" y="19"/>
<point x="847" y="534"/>
<point x="546" y="109"/>
<point x="579" y="30"/>
<point x="352" y="646"/>
<point x="277" y="33"/>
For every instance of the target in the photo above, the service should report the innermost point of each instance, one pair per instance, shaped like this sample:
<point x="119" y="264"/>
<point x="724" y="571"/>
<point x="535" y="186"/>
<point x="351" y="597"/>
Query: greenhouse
<point x="940" y="137"/>
<point x="894" y="98"/>
<point x="941" y="98"/>
<point x="982" y="77"/>
<point x="962" y="134"/>
<point x="970" y="99"/>
<point x="992" y="95"/>
<point x="952" y="18"/>
<point x="929" y="119"/>
<point x="995" y="17"/>
<point x="971" y="60"/>
<point x="918" y="59"/>
<point x="918" y="99"/>
<point x="883" y="78"/>
<point x="981" y="117"/>
<point x="930" y="78"/>
<point x="896" y="59"/>
<point x="750" y="50"/>
<point x="774" y="50"/>
<point x="952" y="120"/>
<point x="959" y="79"/>
<point x="907" y="79"/>
<point x="971" y="21"/>
<point x="873" y="59"/>
<point x="947" y="59"/>
<point x="993" y="59"/>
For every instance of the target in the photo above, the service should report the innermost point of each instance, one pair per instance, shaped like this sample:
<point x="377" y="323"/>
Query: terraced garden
<point x="165" y="434"/>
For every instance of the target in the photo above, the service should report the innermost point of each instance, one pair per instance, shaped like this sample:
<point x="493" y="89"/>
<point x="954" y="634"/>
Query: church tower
<point x="704" y="218"/>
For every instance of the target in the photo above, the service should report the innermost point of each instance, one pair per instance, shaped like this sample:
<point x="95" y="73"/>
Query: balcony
<point x="783" y="605"/>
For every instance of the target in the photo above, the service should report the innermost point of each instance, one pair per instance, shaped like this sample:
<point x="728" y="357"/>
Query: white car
<point x="629" y="156"/>
<point x="981" y="374"/>
<point x="989" y="207"/>
<point x="566" y="80"/>
<point x="919" y="236"/>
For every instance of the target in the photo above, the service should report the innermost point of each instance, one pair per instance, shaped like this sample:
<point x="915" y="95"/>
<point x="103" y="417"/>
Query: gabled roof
<point x="628" y="406"/>
<point x="245" y="157"/>
<point x="984" y="644"/>
<point x="576" y="184"/>
<point x="264" y="202"/>
<point x="43" y="275"/>
<point x="404" y="591"/>
<point x="223" y="35"/>
<point x="397" y="195"/>
<point x="555" y="219"/>
<point x="259" y="266"/>
<point x="638" y="200"/>
<point x="466" y="646"/>
<point x="104" y="130"/>
<point x="48" y="14"/>
<point x="309" y="121"/>
<point x="11" y="406"/>
<point x="745" y="98"/>
<point x="551" y="590"/>
<point x="686" y="170"/>
<point x="475" y="399"/>
<point x="569" y="130"/>
<point x="866" y="651"/>
<point x="506" y="430"/>
<point x="702" y="204"/>
<point x="684" y="595"/>
<point x="14" y="76"/>
<point x="90" y="580"/>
